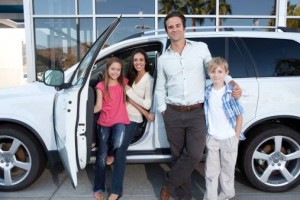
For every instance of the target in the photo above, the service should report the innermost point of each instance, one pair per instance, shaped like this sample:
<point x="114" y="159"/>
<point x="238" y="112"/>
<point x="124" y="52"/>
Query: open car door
<point x="70" y="109"/>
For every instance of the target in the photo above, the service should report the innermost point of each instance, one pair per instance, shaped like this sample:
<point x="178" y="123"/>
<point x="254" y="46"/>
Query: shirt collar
<point x="187" y="42"/>
<point x="229" y="88"/>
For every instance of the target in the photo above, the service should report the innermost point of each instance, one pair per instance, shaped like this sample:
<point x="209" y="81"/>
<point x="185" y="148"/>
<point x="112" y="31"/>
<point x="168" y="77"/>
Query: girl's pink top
<point x="113" y="108"/>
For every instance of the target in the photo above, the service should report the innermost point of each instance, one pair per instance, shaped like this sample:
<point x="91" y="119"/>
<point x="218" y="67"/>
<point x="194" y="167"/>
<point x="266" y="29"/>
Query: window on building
<point x="60" y="43"/>
<point x="192" y="22"/>
<point x="85" y="7"/>
<point x="53" y="7"/>
<point x="127" y="27"/>
<point x="293" y="15"/>
<point x="187" y="7"/>
<point x="253" y="7"/>
<point x="125" y="7"/>
<point x="293" y="8"/>
<point x="226" y="7"/>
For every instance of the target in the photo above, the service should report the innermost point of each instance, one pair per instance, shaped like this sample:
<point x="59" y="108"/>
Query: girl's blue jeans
<point x="120" y="160"/>
<point x="106" y="136"/>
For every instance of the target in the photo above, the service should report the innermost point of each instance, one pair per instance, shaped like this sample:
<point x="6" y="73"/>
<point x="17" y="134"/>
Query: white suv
<point x="37" y="121"/>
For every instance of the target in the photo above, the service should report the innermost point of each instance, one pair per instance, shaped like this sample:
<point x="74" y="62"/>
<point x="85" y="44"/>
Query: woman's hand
<point x="127" y="87"/>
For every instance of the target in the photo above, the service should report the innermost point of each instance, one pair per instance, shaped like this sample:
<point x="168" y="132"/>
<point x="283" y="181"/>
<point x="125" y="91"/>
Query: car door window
<point x="152" y="50"/>
<point x="230" y="49"/>
<point x="275" y="57"/>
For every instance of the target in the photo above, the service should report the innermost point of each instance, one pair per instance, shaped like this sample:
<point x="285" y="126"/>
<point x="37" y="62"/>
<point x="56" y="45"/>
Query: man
<point x="180" y="95"/>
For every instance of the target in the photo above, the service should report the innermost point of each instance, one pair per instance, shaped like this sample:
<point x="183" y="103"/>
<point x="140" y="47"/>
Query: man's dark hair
<point x="175" y="14"/>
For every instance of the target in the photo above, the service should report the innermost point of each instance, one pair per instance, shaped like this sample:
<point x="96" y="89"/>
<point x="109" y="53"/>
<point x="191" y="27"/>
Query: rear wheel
<point x="21" y="159"/>
<point x="270" y="158"/>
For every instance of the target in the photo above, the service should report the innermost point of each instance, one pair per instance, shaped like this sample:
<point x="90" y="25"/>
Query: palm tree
<point x="195" y="7"/>
<point x="271" y="22"/>
<point x="224" y="9"/>
<point x="292" y="10"/>
<point x="169" y="5"/>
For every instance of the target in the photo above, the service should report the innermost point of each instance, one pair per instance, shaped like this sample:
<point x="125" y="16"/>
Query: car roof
<point x="226" y="31"/>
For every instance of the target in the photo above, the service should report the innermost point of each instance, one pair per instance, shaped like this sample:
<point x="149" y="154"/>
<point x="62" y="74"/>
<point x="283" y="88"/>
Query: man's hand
<point x="237" y="92"/>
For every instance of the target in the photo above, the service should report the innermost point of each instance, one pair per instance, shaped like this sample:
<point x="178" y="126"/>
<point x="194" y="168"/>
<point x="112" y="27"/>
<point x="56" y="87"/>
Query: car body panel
<point x="31" y="105"/>
<point x="271" y="102"/>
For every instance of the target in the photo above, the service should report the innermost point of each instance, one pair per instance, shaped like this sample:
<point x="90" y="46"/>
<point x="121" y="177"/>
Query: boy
<point x="224" y="122"/>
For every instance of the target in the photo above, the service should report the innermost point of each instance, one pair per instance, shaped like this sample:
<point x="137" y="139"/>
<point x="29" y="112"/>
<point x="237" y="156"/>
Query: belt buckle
<point x="185" y="108"/>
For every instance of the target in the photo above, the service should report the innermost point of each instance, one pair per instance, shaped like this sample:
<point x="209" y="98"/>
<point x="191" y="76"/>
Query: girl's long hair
<point x="132" y="73"/>
<point x="120" y="79"/>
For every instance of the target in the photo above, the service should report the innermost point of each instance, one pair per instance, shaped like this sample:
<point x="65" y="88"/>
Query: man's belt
<point x="186" y="108"/>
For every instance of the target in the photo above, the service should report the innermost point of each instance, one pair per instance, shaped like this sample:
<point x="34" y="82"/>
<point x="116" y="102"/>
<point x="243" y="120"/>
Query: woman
<point x="139" y="95"/>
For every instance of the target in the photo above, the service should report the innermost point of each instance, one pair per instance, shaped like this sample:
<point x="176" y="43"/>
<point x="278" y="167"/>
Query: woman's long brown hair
<point x="132" y="73"/>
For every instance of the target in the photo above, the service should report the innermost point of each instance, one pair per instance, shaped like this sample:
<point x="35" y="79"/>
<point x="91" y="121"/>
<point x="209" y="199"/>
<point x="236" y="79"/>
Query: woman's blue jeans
<point x="114" y="136"/>
<point x="120" y="159"/>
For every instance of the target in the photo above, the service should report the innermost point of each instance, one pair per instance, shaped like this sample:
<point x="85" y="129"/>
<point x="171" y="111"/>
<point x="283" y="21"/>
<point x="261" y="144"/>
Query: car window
<point x="152" y="50"/>
<point x="229" y="48"/>
<point x="275" y="57"/>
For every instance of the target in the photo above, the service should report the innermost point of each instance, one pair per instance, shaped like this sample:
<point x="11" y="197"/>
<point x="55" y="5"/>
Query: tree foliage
<point x="195" y="7"/>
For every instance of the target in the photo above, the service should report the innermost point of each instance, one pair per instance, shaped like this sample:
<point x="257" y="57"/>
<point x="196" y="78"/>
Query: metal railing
<point x="226" y="28"/>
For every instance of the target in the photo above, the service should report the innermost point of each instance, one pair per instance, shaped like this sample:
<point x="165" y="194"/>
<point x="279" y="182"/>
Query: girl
<point x="139" y="95"/>
<point x="112" y="119"/>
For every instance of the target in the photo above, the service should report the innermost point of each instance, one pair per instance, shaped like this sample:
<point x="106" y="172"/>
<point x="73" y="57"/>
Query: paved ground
<point x="142" y="181"/>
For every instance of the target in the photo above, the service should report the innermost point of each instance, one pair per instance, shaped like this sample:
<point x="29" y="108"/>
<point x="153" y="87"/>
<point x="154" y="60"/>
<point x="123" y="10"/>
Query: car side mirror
<point x="53" y="77"/>
<point x="56" y="78"/>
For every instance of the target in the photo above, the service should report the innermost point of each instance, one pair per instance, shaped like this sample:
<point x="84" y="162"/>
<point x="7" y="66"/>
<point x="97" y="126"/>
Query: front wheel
<point x="270" y="158"/>
<point x="21" y="159"/>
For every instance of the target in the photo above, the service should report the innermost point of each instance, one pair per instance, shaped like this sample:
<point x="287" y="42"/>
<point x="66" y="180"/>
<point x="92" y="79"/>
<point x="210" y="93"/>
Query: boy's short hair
<point x="218" y="62"/>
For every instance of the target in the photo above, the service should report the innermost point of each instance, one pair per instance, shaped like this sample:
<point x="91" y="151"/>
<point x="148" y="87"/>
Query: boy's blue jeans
<point x="114" y="136"/>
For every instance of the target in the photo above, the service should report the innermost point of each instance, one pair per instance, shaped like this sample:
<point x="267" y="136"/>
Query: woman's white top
<point x="140" y="93"/>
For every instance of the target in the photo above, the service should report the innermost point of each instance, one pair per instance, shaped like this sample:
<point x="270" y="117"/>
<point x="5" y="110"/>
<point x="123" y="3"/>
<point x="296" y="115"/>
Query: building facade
<point x="59" y="32"/>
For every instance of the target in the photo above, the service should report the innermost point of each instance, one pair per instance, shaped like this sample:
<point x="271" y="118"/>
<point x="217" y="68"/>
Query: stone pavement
<point x="142" y="182"/>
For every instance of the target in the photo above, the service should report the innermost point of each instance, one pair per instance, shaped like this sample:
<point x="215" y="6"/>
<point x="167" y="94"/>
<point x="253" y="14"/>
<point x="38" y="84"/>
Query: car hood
<point x="28" y="90"/>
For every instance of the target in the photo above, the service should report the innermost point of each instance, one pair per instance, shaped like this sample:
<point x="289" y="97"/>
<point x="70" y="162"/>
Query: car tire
<point x="270" y="158"/>
<point x="22" y="159"/>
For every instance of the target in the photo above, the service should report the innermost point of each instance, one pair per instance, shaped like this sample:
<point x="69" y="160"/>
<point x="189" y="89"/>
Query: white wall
<point x="11" y="57"/>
